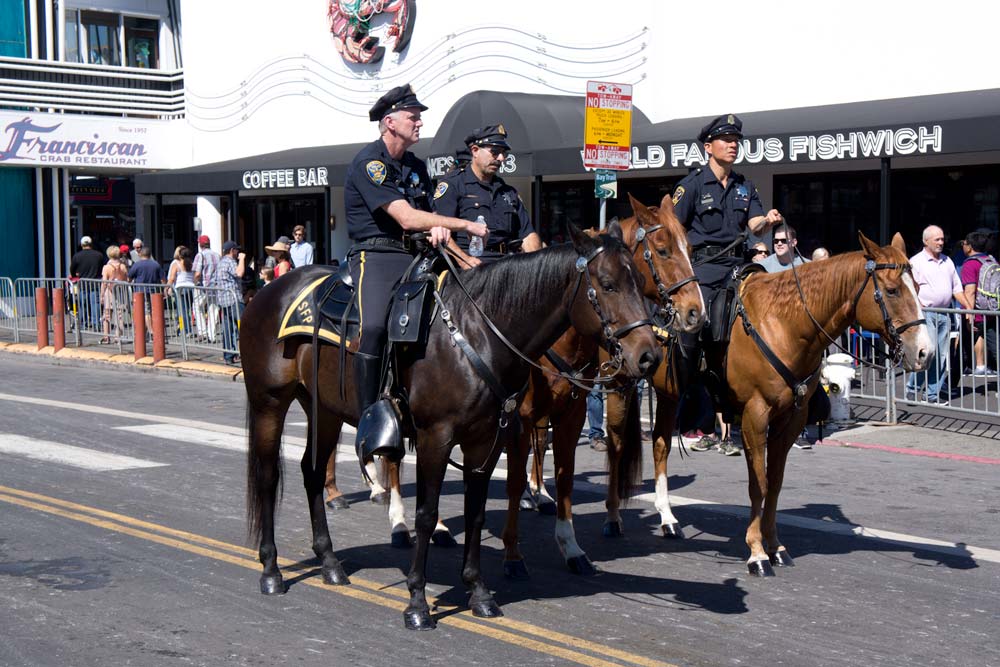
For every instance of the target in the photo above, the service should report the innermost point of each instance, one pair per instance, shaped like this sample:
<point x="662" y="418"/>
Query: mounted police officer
<point x="387" y="197"/>
<point x="474" y="188"/>
<point x="717" y="205"/>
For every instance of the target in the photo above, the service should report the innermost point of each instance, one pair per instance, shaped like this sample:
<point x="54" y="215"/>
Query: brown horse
<point x="591" y="285"/>
<point x="659" y="245"/>
<point x="872" y="287"/>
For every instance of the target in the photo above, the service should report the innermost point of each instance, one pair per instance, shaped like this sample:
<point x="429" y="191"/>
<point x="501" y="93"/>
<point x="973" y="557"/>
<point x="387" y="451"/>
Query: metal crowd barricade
<point x="973" y="336"/>
<point x="25" y="315"/>
<point x="85" y="309"/>
<point x="8" y="308"/>
<point x="204" y="318"/>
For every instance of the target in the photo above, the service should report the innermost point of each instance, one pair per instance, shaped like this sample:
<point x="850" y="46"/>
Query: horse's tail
<point x="257" y="477"/>
<point x="630" y="461"/>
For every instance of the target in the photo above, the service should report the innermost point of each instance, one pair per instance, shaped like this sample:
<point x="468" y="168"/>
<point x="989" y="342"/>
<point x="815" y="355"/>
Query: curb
<point x="74" y="356"/>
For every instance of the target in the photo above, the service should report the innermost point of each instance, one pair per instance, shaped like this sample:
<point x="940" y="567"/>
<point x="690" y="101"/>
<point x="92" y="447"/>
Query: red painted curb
<point x="910" y="452"/>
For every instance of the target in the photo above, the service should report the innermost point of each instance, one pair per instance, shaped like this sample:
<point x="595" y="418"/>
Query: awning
<point x="290" y="169"/>
<point x="964" y="122"/>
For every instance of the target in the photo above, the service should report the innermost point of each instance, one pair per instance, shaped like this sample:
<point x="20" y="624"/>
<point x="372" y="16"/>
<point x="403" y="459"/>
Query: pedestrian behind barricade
<point x="229" y="297"/>
<point x="980" y="278"/>
<point x="147" y="272"/>
<point x="282" y="258"/>
<point x="181" y="282"/>
<point x="301" y="251"/>
<point x="206" y="310"/>
<point x="113" y="274"/>
<point x="87" y="264"/>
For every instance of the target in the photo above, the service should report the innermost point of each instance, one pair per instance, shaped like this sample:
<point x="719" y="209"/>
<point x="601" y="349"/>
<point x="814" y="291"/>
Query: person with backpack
<point x="937" y="284"/>
<point x="981" y="280"/>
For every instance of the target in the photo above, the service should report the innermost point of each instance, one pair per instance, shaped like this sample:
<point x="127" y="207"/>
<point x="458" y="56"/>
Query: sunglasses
<point x="496" y="151"/>
<point x="781" y="240"/>
<point x="760" y="252"/>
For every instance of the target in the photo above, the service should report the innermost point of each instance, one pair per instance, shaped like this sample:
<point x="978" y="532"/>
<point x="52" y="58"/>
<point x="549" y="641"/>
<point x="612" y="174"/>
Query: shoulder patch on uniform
<point x="678" y="193"/>
<point x="441" y="189"/>
<point x="376" y="171"/>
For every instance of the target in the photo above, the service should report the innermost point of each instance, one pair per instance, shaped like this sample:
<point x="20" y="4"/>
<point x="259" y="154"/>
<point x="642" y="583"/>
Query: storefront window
<point x="103" y="47"/>
<point x="141" y="37"/>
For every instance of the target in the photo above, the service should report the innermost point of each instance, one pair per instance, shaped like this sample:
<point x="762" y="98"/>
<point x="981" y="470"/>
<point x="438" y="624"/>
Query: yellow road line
<point x="245" y="557"/>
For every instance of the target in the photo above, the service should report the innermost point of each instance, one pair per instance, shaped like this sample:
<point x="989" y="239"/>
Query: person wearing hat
<point x="387" y="197"/>
<point x="229" y="297"/>
<point x="87" y="263"/>
<point x="206" y="311"/>
<point x="475" y="190"/>
<point x="126" y="257"/>
<point x="717" y="206"/>
<point x="282" y="259"/>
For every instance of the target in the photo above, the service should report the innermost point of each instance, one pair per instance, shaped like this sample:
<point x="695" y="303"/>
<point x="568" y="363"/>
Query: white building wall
<point x="264" y="77"/>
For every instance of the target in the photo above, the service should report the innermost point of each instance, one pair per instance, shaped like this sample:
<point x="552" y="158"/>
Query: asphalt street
<point x="123" y="541"/>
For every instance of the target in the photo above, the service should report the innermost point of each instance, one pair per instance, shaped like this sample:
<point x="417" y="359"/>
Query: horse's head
<point x="608" y="303"/>
<point x="889" y="304"/>
<point x="660" y="251"/>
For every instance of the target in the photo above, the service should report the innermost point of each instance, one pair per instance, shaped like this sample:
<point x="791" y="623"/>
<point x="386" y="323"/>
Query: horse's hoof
<point x="335" y="576"/>
<point x="760" y="568"/>
<point x="780" y="558"/>
<point x="672" y="531"/>
<point x="488" y="609"/>
<point x="527" y="505"/>
<point x="613" y="529"/>
<point x="338" y="503"/>
<point x="272" y="584"/>
<point x="380" y="498"/>
<point x="418" y="620"/>
<point x="582" y="566"/>
<point x="401" y="539"/>
<point x="516" y="569"/>
<point x="547" y="507"/>
<point x="443" y="538"/>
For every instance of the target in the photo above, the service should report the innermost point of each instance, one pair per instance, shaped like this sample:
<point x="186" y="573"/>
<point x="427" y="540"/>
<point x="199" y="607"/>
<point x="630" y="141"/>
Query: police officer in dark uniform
<point x="387" y="196"/>
<point x="717" y="205"/>
<point x="475" y="189"/>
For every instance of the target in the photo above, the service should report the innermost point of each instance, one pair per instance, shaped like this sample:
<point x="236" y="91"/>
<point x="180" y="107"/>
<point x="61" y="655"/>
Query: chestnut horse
<point x="532" y="299"/>
<point x="873" y="287"/>
<point x="659" y="245"/>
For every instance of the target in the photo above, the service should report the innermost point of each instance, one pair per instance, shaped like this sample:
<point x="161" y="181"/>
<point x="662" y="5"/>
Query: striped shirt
<point x="207" y="263"/>
<point x="228" y="282"/>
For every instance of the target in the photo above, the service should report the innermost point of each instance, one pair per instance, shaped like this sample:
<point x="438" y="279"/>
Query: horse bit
<point x="893" y="333"/>
<point x="666" y="309"/>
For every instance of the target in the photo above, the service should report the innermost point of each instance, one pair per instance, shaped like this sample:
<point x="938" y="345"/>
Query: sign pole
<point x="604" y="213"/>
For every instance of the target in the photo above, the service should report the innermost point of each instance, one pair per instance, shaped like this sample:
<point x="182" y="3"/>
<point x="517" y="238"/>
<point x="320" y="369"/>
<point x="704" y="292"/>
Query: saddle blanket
<point x="300" y="316"/>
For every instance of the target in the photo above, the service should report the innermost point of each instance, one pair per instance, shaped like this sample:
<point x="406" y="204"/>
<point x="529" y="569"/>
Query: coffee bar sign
<point x="87" y="142"/>
<point x="919" y="140"/>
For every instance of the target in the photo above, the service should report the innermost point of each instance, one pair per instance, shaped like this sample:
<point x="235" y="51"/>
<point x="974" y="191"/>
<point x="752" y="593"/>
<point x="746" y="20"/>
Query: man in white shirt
<point x="302" y="250"/>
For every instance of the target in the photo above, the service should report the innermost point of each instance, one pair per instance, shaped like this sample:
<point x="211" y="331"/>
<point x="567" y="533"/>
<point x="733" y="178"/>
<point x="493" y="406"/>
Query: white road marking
<point x="78" y="457"/>
<point x="294" y="447"/>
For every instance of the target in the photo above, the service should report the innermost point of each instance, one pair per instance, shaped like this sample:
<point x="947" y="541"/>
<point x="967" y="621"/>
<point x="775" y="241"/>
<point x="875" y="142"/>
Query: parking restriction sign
<point x="608" y="126"/>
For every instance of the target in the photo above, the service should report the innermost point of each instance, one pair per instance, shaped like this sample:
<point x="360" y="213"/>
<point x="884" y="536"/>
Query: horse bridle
<point x="893" y="333"/>
<point x="666" y="310"/>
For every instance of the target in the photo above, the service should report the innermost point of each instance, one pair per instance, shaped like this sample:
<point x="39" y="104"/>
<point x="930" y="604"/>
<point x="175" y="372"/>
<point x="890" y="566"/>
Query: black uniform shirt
<point x="375" y="179"/>
<point x="460" y="194"/>
<point x="713" y="214"/>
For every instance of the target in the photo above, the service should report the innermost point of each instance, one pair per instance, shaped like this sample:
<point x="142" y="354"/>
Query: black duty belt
<point x="384" y="242"/>
<point x="711" y="250"/>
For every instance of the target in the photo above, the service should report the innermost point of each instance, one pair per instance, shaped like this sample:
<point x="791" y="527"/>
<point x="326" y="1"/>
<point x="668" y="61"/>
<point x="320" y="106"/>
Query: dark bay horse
<point x="660" y="250"/>
<point x="592" y="285"/>
<point x="873" y="287"/>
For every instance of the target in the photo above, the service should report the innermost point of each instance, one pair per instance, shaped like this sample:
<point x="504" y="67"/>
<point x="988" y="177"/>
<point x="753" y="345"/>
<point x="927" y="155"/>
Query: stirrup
<point x="379" y="433"/>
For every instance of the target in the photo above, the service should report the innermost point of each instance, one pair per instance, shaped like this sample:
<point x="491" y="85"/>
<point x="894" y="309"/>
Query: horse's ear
<point x="615" y="229"/>
<point x="641" y="211"/>
<point x="667" y="204"/>
<point x="898" y="243"/>
<point x="581" y="241"/>
<point x="870" y="247"/>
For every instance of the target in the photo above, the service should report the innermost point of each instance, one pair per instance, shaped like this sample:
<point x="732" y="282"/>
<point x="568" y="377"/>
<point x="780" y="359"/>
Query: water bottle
<point x="476" y="242"/>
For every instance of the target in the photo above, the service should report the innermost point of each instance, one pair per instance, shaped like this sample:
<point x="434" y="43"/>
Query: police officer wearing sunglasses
<point x="387" y="197"/>
<point x="474" y="189"/>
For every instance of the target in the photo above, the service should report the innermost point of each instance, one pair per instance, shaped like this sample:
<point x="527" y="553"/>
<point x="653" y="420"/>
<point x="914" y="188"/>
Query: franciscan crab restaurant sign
<point x="49" y="140"/>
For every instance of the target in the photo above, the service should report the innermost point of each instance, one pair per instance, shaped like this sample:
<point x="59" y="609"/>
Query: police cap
<point x="728" y="124"/>
<point x="400" y="97"/>
<point x="491" y="135"/>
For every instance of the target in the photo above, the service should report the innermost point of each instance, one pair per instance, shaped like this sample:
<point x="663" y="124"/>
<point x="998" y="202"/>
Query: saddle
<point x="722" y="313"/>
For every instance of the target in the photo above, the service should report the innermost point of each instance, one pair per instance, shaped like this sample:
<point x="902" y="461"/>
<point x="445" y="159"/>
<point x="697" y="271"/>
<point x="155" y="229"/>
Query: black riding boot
<point x="378" y="425"/>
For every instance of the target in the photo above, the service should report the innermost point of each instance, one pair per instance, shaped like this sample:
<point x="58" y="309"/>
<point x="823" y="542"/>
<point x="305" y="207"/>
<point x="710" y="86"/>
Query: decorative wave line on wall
<point x="306" y="77"/>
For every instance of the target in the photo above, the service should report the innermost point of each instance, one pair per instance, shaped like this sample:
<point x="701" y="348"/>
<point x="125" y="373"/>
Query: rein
<point x="612" y="345"/>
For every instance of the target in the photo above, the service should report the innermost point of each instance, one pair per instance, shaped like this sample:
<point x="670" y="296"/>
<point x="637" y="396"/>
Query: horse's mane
<point x="523" y="280"/>
<point x="824" y="284"/>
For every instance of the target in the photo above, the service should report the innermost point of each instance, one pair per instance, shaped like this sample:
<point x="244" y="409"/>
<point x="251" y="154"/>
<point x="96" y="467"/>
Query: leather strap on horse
<point x="799" y="388"/>
<point x="508" y="403"/>
<point x="314" y="421"/>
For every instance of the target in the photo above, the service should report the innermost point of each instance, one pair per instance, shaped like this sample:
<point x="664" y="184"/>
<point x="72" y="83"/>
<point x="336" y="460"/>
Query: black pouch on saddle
<point x="410" y="312"/>
<point x="819" y="406"/>
<point x="723" y="309"/>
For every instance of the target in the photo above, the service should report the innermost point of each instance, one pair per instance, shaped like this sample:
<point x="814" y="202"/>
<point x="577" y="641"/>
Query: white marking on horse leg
<point x="397" y="512"/>
<point x="566" y="539"/>
<point x="441" y="528"/>
<point x="372" y="471"/>
<point x="544" y="493"/>
<point x="663" y="502"/>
